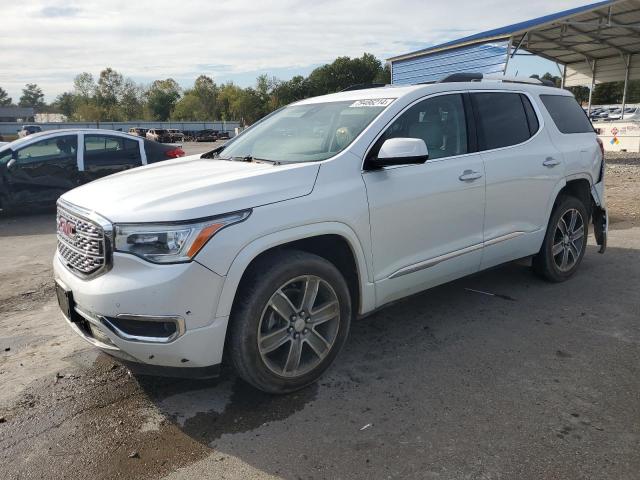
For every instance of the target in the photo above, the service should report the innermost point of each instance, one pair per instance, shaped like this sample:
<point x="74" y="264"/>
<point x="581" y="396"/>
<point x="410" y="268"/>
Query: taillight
<point x="174" y="153"/>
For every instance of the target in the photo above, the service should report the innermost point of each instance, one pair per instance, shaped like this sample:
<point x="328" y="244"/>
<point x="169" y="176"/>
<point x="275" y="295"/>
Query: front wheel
<point x="565" y="241"/>
<point x="289" y="322"/>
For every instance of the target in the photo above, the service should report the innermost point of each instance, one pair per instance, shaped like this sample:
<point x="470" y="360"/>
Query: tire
<point x="269" y="323"/>
<point x="564" y="243"/>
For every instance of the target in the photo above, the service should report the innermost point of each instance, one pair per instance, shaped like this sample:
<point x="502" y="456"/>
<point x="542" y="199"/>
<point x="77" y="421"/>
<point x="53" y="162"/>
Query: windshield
<point x="306" y="133"/>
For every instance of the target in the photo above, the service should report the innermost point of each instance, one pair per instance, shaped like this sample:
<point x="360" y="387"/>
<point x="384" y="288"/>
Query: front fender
<point x="262" y="244"/>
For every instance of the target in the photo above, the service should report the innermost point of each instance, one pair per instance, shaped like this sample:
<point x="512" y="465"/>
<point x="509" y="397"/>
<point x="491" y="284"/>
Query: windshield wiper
<point x="249" y="158"/>
<point x="215" y="153"/>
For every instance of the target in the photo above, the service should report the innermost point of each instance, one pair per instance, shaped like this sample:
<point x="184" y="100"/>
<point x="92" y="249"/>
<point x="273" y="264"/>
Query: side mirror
<point x="11" y="163"/>
<point x="401" y="151"/>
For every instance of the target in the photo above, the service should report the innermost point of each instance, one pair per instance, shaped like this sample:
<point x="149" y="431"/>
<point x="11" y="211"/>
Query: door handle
<point x="551" y="162"/>
<point x="469" y="176"/>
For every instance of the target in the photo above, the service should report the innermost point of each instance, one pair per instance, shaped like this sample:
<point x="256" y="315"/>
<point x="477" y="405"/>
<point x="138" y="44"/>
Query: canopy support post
<point x="562" y="72"/>
<point x="506" y="64"/>
<point x="593" y="84"/>
<point x="627" y="65"/>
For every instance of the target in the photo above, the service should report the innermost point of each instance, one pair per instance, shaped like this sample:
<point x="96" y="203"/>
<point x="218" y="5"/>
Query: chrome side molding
<point x="432" y="262"/>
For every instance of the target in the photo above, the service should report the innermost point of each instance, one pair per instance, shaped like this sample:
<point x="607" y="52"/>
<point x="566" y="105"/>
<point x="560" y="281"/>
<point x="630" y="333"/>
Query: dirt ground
<point x="538" y="382"/>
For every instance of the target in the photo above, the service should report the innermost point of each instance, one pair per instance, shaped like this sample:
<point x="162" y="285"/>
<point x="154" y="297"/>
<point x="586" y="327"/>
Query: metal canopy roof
<point x="596" y="43"/>
<point x="546" y="25"/>
<point x="600" y="31"/>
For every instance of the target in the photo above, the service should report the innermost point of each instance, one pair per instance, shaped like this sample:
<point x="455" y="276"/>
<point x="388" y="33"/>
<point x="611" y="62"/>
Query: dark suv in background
<point x="27" y="130"/>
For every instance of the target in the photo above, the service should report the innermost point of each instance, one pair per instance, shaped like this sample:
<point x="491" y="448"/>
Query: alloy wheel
<point x="299" y="326"/>
<point x="568" y="240"/>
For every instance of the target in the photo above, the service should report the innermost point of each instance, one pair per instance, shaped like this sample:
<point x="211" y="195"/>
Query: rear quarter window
<point x="565" y="112"/>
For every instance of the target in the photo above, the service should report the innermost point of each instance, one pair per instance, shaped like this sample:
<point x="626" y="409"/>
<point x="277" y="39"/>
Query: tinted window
<point x="108" y="150"/>
<point x="567" y="114"/>
<point x="502" y="120"/>
<point x="532" y="119"/>
<point x="439" y="121"/>
<point x="52" y="149"/>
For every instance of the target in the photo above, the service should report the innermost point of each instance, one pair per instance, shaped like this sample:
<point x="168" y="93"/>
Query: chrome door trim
<point x="432" y="262"/>
<point x="503" y="238"/>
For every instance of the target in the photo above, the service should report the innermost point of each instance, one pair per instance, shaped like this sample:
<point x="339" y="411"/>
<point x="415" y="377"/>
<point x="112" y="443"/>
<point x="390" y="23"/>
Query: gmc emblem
<point x="66" y="227"/>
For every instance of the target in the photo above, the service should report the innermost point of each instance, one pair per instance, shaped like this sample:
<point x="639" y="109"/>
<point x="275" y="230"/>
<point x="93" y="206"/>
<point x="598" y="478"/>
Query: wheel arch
<point x="336" y="242"/>
<point x="578" y="186"/>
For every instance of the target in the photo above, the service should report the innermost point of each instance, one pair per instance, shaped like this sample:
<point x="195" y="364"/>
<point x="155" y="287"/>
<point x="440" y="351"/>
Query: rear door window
<point x="106" y="150"/>
<point x="501" y="119"/>
<point x="568" y="116"/>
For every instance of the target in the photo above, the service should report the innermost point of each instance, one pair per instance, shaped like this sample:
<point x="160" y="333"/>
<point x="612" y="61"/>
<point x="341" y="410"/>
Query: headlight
<point x="171" y="243"/>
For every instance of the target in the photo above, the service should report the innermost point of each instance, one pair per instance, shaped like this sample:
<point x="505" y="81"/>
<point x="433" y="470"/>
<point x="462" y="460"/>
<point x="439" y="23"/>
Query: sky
<point x="48" y="42"/>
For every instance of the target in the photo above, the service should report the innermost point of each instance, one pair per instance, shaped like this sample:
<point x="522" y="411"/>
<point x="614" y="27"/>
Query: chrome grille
<point x="82" y="243"/>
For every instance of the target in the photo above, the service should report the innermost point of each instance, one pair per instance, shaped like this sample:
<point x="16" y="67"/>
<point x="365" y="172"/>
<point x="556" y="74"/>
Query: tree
<point x="344" y="72"/>
<point x="131" y="100"/>
<point x="5" y="99"/>
<point x="189" y="107"/>
<point x="284" y="93"/>
<point x="32" y="96"/>
<point x="84" y="86"/>
<point x="109" y="93"/>
<point x="206" y="90"/>
<point x="65" y="103"/>
<point x="557" y="81"/>
<point x="246" y="106"/>
<point x="384" y="76"/>
<point x="581" y="93"/>
<point x="162" y="97"/>
<point x="608" y="93"/>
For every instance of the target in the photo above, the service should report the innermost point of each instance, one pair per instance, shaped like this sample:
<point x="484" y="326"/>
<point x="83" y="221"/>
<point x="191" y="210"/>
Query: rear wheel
<point x="289" y="322"/>
<point x="565" y="241"/>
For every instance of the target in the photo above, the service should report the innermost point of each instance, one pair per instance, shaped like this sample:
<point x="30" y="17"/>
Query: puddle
<point x="184" y="406"/>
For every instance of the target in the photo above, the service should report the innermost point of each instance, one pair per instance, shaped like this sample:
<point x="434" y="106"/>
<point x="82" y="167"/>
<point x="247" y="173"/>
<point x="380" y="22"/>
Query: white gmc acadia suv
<point x="327" y="209"/>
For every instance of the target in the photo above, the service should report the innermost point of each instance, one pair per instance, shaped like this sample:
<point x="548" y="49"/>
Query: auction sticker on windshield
<point x="372" y="102"/>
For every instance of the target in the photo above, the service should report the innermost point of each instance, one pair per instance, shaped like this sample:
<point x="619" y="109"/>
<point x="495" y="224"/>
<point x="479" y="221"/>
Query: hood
<point x="190" y="187"/>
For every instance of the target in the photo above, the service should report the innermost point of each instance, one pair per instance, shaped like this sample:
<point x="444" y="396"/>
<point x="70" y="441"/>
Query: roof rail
<point x="363" y="86"/>
<point x="462" y="77"/>
<point x="479" y="77"/>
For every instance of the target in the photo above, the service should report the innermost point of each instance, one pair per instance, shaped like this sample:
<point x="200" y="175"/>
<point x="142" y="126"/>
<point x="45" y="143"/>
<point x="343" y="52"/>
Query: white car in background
<point x="266" y="248"/>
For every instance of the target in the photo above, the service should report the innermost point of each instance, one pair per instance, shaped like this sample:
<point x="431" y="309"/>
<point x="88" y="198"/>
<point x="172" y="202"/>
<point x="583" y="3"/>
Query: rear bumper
<point x="600" y="227"/>
<point x="600" y="216"/>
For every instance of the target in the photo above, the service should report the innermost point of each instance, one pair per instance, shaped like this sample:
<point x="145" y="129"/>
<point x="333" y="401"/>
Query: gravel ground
<point x="623" y="187"/>
<point x="539" y="382"/>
